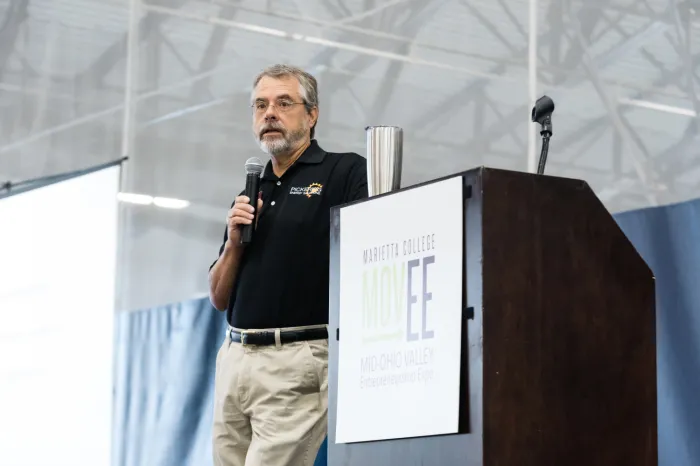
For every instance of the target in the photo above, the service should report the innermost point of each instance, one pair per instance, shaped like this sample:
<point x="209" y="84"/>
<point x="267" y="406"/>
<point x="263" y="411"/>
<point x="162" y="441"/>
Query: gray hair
<point x="308" y="87"/>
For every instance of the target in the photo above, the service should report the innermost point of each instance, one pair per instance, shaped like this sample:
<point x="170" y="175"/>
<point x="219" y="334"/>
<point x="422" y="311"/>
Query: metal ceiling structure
<point x="167" y="83"/>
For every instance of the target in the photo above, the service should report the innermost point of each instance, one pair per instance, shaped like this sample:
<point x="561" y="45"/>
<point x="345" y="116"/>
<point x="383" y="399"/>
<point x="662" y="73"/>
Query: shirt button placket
<point x="279" y="183"/>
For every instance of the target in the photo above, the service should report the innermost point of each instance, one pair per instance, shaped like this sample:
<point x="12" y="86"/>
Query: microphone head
<point x="254" y="166"/>
<point x="542" y="109"/>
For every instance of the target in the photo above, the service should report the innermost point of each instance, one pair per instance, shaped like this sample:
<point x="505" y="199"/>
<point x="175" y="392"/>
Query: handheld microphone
<point x="253" y="169"/>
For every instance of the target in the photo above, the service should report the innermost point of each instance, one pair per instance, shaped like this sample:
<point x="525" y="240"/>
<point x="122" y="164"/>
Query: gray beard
<point x="275" y="147"/>
<point x="284" y="144"/>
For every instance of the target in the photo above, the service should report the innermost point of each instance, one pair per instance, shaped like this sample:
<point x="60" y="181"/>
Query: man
<point x="271" y="386"/>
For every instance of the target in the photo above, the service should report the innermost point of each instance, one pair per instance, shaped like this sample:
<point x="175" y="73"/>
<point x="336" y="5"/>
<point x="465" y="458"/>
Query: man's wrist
<point x="232" y="248"/>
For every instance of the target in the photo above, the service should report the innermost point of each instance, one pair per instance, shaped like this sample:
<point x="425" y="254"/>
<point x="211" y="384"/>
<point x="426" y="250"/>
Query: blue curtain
<point x="669" y="240"/>
<point x="165" y="357"/>
<point x="164" y="384"/>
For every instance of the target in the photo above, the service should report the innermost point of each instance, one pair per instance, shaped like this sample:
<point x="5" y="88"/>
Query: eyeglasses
<point x="282" y="105"/>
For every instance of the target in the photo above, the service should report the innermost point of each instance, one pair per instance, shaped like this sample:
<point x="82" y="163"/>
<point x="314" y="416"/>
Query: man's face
<point x="280" y="120"/>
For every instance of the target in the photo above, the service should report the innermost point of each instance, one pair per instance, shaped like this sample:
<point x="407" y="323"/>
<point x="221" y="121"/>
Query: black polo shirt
<point x="283" y="275"/>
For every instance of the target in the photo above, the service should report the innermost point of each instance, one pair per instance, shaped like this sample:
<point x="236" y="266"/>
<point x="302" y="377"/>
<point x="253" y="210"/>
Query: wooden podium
<point x="558" y="347"/>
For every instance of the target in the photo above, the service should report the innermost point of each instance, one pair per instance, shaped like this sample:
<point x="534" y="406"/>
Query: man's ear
<point x="313" y="113"/>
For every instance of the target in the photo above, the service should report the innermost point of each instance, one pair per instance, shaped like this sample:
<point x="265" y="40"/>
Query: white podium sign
<point x="401" y="280"/>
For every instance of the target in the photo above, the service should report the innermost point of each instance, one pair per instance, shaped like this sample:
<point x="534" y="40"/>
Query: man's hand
<point x="240" y="214"/>
<point x="224" y="272"/>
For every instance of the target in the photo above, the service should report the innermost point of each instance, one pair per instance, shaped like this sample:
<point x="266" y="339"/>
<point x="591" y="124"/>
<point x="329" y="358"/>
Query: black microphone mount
<point x="542" y="114"/>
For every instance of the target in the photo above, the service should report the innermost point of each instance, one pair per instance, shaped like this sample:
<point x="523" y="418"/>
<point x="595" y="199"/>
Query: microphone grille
<point x="254" y="165"/>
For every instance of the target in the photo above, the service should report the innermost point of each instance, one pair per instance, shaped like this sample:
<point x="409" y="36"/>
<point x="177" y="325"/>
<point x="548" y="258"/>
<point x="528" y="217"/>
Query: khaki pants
<point x="270" y="403"/>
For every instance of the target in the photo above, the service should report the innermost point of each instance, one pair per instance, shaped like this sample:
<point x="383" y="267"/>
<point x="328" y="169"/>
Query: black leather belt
<point x="262" y="338"/>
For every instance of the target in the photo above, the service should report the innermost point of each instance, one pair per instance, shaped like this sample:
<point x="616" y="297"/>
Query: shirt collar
<point x="312" y="155"/>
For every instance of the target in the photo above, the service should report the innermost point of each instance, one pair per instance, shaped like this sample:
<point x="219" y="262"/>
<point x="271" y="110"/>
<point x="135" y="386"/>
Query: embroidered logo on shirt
<point x="314" y="189"/>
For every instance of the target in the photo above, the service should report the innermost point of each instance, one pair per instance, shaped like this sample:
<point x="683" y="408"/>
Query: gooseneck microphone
<point x="542" y="114"/>
<point x="253" y="169"/>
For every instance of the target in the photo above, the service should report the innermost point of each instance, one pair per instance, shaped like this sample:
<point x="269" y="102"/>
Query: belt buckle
<point x="245" y="334"/>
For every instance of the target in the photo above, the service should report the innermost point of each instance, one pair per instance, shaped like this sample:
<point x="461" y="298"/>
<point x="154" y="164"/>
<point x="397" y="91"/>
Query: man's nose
<point x="270" y="113"/>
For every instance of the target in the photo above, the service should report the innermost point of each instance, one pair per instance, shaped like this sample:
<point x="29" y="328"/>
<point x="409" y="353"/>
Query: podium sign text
<point x="401" y="282"/>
